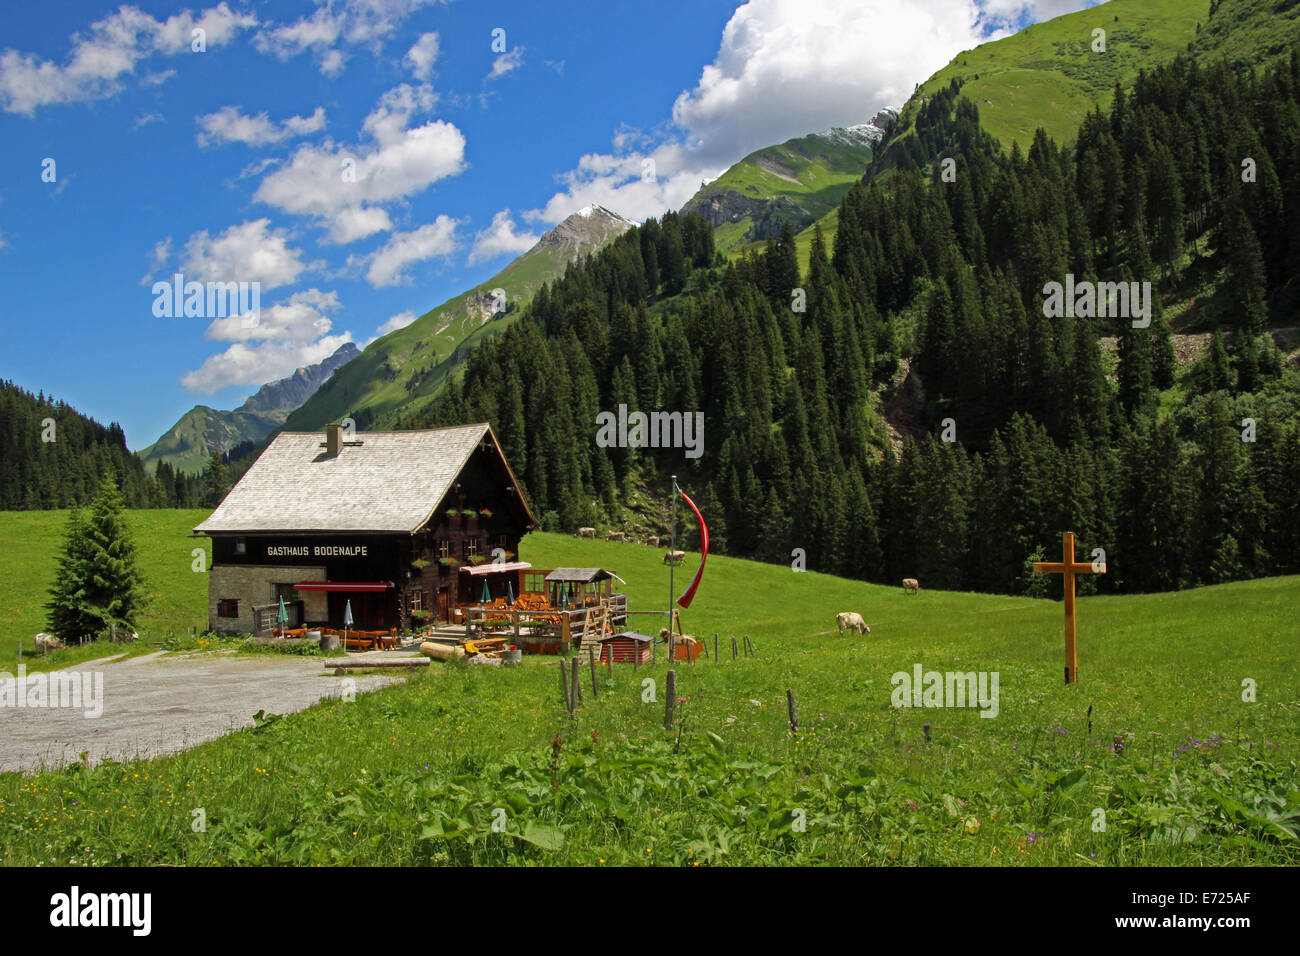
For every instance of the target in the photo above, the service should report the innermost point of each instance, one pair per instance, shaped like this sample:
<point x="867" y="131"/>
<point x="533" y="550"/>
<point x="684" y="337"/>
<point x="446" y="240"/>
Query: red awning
<point x="478" y="569"/>
<point x="342" y="586"/>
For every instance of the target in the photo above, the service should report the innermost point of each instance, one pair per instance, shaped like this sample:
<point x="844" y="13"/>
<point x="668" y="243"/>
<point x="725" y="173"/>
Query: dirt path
<point x="160" y="704"/>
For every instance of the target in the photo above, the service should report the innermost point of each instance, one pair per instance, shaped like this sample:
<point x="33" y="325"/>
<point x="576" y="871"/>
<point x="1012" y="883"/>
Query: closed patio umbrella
<point x="347" y="622"/>
<point x="282" y="618"/>
<point x="487" y="594"/>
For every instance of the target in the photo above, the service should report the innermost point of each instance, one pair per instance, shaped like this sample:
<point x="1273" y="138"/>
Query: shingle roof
<point x="584" y="575"/>
<point x="390" y="482"/>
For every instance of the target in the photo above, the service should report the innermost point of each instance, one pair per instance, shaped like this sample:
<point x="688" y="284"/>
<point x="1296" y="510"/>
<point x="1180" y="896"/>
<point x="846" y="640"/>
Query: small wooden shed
<point x="627" y="647"/>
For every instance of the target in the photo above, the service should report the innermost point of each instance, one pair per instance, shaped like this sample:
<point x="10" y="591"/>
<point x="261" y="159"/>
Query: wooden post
<point x="636" y="655"/>
<point x="670" y="700"/>
<point x="733" y="647"/>
<point x="564" y="688"/>
<point x="591" y="656"/>
<point x="794" y="715"/>
<point x="925" y="729"/>
<point x="576" y="682"/>
<point x="715" y="647"/>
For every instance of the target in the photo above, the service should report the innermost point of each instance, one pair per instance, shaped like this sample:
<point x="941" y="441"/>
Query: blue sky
<point x="465" y="143"/>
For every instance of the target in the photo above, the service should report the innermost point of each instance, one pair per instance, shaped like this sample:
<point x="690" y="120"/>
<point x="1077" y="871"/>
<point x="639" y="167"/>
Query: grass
<point x="1183" y="769"/>
<point x="176" y="596"/>
<point x="1048" y="75"/>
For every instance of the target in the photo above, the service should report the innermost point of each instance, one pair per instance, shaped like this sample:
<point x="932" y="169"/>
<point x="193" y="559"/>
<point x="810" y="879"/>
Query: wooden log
<point x="794" y="715"/>
<point x="404" y="662"/>
<point x="670" y="700"/>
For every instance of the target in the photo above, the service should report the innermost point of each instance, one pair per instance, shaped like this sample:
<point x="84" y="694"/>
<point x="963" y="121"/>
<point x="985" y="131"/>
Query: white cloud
<point x="421" y="57"/>
<point x="435" y="239"/>
<point x="783" y="68"/>
<point x="112" y="47"/>
<point x="500" y="238"/>
<point x="248" y="252"/>
<point x="158" y="256"/>
<point x="288" y="335"/>
<point x="300" y="318"/>
<point x="336" y="24"/>
<point x="507" y="63"/>
<point x="145" y="119"/>
<point x="344" y="186"/>
<point x="399" y="321"/>
<point x="229" y="125"/>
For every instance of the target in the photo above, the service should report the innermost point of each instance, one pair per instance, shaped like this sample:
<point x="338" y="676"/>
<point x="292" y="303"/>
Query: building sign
<point x="316" y="551"/>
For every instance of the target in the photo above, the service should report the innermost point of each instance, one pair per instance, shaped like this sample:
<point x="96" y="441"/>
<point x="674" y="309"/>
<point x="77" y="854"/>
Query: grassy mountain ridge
<point x="799" y="181"/>
<point x="187" y="445"/>
<point x="403" y="370"/>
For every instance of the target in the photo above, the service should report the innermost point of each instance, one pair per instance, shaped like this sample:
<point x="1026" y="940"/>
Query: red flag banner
<point x="689" y="595"/>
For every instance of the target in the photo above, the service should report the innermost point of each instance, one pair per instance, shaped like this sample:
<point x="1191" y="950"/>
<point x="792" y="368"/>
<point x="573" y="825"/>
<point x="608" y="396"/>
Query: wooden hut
<point x="627" y="648"/>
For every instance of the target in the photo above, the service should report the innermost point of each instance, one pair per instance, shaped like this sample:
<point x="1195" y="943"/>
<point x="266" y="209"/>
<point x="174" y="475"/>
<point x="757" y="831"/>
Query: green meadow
<point x="1154" y="758"/>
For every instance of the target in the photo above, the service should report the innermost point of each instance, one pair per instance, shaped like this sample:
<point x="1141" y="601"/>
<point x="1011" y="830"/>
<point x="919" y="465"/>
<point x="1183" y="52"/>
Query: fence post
<point x="576" y="682"/>
<point x="715" y="647"/>
<point x="670" y="700"/>
<point x="564" y="688"/>
<point x="591" y="656"/>
<point x="733" y="647"/>
<point x="794" y="716"/>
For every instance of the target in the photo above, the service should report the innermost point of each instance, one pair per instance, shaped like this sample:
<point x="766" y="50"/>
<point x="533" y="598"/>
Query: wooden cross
<point x="1069" y="567"/>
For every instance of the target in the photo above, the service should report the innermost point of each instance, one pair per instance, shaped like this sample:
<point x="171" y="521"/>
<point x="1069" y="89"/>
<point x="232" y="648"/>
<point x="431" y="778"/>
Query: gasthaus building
<point x="392" y="522"/>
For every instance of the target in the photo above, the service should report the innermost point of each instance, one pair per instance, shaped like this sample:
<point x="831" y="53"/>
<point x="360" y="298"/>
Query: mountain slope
<point x="189" y="443"/>
<point x="1048" y="74"/>
<point x="798" y="181"/>
<point x="402" y="370"/>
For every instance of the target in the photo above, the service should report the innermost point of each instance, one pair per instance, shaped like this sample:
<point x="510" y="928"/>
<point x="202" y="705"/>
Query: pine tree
<point x="68" y="614"/>
<point x="114" y="587"/>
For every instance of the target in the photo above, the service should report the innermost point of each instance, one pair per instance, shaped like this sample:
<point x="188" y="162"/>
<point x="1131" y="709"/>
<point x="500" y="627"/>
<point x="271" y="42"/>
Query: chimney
<point x="333" y="439"/>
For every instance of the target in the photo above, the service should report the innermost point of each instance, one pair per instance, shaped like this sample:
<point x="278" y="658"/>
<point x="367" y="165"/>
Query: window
<point x="501" y="541"/>
<point x="241" y="546"/>
<point x="287" y="592"/>
<point x="471" y="548"/>
<point x="443" y="547"/>
<point x="417" y="599"/>
<point x="228" y="607"/>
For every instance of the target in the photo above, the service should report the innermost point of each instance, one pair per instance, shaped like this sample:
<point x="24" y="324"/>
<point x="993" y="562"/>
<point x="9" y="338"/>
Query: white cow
<point x="47" y="640"/>
<point x="586" y="532"/>
<point x="674" y="557"/>
<point x="912" y="585"/>
<point x="850" y="620"/>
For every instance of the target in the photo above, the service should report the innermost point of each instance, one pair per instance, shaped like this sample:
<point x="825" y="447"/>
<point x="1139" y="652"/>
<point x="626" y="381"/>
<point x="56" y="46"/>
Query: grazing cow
<point x="653" y="541"/>
<point x="615" y="536"/>
<point x="911" y="584"/>
<point x="586" y="532"/>
<point x="851" y="620"/>
<point x="47" y="641"/>
<point x="674" y="557"/>
<point x="681" y="638"/>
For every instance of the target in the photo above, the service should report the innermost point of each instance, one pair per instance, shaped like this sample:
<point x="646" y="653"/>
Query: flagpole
<point x="672" y="560"/>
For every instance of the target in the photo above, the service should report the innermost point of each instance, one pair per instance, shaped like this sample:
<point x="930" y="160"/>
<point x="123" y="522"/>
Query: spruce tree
<point x="114" y="587"/>
<point x="68" y="614"/>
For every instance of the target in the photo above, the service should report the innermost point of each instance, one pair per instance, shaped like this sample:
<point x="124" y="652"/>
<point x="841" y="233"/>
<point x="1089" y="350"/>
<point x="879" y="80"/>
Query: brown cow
<point x="674" y="557"/>
<point x="586" y="532"/>
<point x="911" y="584"/>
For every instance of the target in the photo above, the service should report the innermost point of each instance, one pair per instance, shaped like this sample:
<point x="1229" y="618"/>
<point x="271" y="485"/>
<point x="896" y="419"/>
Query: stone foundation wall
<point x="255" y="584"/>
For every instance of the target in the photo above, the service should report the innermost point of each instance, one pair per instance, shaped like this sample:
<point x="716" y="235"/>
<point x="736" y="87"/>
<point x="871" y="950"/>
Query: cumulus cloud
<point x="248" y="252"/>
<point x="783" y="68"/>
<point x="433" y="240"/>
<point x="507" y="63"/>
<point x="399" y="321"/>
<point x="288" y="335"/>
<point x="145" y="119"/>
<point x="108" y="51"/>
<point x="421" y="57"/>
<point x="500" y="238"/>
<point x="344" y="187"/>
<point x="335" y="25"/>
<point x="229" y="125"/>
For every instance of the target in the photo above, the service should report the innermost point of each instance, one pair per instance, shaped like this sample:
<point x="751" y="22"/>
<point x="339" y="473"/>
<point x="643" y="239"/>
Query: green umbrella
<point x="487" y="594"/>
<point x="510" y="592"/>
<point x="347" y="622"/>
<point x="282" y="618"/>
